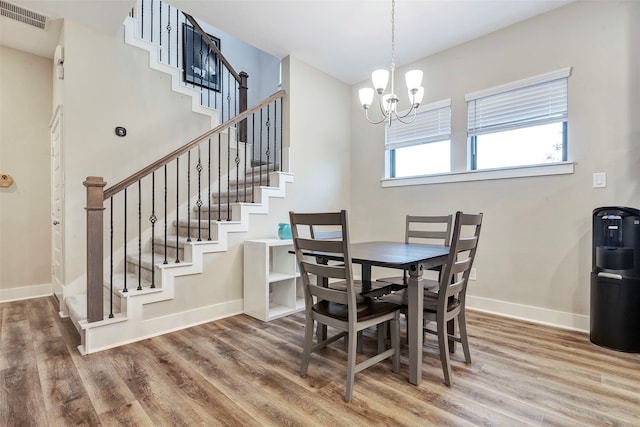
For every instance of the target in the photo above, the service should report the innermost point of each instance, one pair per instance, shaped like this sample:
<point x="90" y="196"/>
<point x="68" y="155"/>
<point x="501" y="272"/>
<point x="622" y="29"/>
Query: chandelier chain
<point x="393" y="34"/>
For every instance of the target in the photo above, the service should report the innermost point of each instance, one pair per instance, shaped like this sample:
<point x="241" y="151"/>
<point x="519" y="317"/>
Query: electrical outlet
<point x="472" y="274"/>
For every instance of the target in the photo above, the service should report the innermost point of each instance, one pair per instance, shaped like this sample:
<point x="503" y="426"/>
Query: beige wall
<point x="25" y="112"/>
<point x="535" y="247"/>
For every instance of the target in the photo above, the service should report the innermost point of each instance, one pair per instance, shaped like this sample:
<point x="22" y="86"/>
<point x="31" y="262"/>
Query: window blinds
<point x="432" y="123"/>
<point x="536" y="101"/>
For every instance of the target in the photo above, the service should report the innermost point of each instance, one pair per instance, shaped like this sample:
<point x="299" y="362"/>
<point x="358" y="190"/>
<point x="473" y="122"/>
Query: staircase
<point x="128" y="323"/>
<point x="164" y="266"/>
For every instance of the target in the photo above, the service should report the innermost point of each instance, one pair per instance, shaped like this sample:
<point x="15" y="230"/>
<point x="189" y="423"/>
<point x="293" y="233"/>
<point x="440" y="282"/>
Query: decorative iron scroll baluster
<point x="199" y="201"/>
<point x="111" y="257"/>
<point x="244" y="180"/>
<point x="189" y="196"/>
<point x="139" y="235"/>
<point x="253" y="149"/>
<point x="275" y="136"/>
<point x="177" y="206"/>
<point x="166" y="219"/>
<point x="169" y="36"/>
<point x="209" y="189"/>
<point x="124" y="286"/>
<point x="153" y="218"/>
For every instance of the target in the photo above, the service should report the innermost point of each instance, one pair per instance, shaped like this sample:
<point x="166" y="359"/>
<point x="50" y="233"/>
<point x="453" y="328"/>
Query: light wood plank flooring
<point x="243" y="372"/>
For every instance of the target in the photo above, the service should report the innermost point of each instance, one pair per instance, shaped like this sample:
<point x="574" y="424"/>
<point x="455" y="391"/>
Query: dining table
<point x="415" y="258"/>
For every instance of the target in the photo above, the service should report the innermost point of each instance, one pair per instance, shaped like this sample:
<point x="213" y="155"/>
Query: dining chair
<point x="432" y="230"/>
<point x="340" y="307"/>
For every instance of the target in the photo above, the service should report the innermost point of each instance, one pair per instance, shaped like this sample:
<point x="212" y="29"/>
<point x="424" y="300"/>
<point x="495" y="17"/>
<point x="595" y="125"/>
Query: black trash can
<point x="615" y="279"/>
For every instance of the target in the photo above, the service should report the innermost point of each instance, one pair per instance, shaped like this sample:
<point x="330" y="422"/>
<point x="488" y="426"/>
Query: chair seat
<point x="431" y="303"/>
<point x="368" y="309"/>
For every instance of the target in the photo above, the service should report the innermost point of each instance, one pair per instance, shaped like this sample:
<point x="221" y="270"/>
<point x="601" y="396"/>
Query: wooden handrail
<point x="213" y="47"/>
<point x="116" y="188"/>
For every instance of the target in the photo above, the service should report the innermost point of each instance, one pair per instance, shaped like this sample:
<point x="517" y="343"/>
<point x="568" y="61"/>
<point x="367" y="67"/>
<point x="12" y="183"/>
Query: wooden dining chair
<point x="340" y="307"/>
<point x="431" y="230"/>
<point x="445" y="299"/>
<point x="448" y="303"/>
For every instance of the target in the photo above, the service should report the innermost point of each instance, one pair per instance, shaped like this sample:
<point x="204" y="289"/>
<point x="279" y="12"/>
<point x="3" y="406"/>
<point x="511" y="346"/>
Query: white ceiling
<point x="344" y="38"/>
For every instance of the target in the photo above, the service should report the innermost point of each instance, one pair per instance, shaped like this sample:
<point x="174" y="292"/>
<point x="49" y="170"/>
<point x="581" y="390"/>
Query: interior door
<point x="57" y="199"/>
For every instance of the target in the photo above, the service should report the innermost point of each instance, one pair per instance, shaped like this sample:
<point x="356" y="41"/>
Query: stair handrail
<point x="116" y="188"/>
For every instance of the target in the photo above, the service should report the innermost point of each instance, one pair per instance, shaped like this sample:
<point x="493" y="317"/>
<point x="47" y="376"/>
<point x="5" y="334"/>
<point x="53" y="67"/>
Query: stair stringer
<point x="130" y="37"/>
<point x="130" y="326"/>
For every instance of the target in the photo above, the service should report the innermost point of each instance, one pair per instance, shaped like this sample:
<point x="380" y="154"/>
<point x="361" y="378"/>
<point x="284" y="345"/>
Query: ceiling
<point x="347" y="39"/>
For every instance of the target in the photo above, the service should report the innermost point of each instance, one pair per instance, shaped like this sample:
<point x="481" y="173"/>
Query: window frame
<point x="438" y="113"/>
<point x="526" y="103"/>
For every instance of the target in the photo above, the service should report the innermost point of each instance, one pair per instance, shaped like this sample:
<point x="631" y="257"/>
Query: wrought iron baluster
<point x="275" y="135"/>
<point x="177" y="261"/>
<point x="139" y="235"/>
<point x="219" y="177"/>
<point x="142" y="20"/>
<point x="151" y="21"/>
<point x="253" y="149"/>
<point x="111" y="258"/>
<point x="169" y="35"/>
<point x="228" y="167"/>
<point x="166" y="219"/>
<point x="268" y="145"/>
<point x="244" y="180"/>
<point x="189" y="196"/>
<point x="153" y="220"/>
<point x="281" y="137"/>
<point x="160" y="32"/>
<point x="260" y="177"/>
<point x="209" y="189"/>
<point x="124" y="287"/>
<point x="199" y="202"/>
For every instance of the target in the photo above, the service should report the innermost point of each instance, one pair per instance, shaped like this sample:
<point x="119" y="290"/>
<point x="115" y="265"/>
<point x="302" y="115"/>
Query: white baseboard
<point x="560" y="319"/>
<point x="25" y="292"/>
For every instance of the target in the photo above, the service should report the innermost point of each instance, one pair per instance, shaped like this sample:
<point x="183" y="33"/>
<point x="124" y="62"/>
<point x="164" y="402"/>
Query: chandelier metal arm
<point x="366" y="114"/>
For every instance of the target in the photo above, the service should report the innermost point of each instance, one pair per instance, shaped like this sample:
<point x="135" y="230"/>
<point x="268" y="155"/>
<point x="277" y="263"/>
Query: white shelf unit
<point x="272" y="284"/>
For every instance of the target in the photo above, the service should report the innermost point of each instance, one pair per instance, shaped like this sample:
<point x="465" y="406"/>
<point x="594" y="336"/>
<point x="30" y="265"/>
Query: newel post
<point x="95" y="279"/>
<point x="242" y="105"/>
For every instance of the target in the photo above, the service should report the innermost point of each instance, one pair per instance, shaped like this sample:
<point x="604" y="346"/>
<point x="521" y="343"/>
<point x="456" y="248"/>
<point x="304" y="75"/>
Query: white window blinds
<point x="535" y="101"/>
<point x="432" y="123"/>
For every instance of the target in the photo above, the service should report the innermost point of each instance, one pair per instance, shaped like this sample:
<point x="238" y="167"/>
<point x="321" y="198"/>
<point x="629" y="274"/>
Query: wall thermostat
<point x="120" y="131"/>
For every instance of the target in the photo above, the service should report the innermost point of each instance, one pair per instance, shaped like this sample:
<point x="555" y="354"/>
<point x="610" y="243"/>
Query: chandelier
<point x="389" y="102"/>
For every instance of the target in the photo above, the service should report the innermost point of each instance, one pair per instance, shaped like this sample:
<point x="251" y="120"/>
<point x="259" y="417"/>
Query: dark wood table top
<point x="396" y="254"/>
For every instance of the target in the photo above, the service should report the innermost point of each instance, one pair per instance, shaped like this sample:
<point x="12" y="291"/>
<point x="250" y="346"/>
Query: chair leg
<point x="395" y="342"/>
<point x="443" y="346"/>
<point x="308" y="343"/>
<point x="351" y="363"/>
<point x="462" y="327"/>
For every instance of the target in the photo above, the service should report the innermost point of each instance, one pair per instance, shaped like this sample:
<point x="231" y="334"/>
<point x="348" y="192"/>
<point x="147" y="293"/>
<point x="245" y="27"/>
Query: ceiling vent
<point x="23" y="15"/>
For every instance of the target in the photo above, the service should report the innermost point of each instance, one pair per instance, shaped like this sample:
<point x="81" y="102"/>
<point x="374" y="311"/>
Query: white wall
<point x="25" y="231"/>
<point x="535" y="247"/>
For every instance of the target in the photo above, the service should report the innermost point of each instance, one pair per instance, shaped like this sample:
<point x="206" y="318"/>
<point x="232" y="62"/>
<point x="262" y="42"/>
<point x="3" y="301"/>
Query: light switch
<point x="599" y="180"/>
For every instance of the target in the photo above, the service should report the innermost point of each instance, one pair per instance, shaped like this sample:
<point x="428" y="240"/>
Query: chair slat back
<point x="428" y="229"/>
<point x="464" y="243"/>
<point x="315" y="266"/>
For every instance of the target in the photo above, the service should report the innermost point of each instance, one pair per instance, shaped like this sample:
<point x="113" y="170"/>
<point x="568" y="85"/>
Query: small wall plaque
<point x="5" y="180"/>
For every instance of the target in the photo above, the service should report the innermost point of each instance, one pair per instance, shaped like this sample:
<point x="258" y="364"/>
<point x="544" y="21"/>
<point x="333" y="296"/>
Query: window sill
<point x="483" y="175"/>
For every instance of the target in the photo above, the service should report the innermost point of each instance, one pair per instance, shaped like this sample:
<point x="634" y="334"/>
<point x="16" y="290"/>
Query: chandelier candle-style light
<point x="388" y="102"/>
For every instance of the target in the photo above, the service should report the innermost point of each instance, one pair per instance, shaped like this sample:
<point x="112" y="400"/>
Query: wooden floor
<point x="243" y="372"/>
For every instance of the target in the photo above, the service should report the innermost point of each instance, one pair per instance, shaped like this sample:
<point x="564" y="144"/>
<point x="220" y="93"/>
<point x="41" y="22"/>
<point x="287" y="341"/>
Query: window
<point x="422" y="147"/>
<point x="519" y="124"/>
